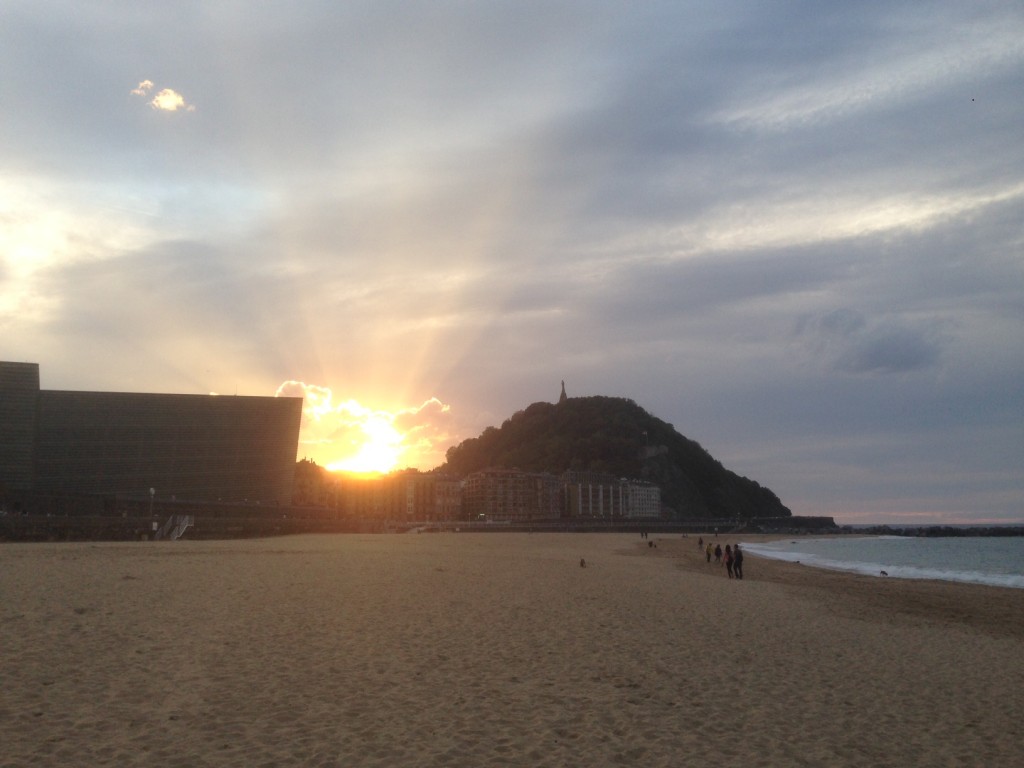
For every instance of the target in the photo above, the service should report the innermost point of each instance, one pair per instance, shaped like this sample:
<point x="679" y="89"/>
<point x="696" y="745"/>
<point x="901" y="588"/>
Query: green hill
<point x="616" y="436"/>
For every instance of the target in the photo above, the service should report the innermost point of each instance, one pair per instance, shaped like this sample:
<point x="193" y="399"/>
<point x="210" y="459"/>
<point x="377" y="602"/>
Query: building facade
<point x="187" y="447"/>
<point x="510" y="495"/>
<point x="491" y="495"/>
<point x="403" y="496"/>
<point x="432" y="497"/>
<point x="598" y="496"/>
<point x="592" y="495"/>
<point x="643" y="500"/>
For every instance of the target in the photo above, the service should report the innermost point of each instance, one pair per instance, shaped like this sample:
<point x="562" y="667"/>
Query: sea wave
<point x="890" y="568"/>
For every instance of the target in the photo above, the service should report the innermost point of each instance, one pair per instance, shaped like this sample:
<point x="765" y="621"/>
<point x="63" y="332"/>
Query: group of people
<point x="731" y="556"/>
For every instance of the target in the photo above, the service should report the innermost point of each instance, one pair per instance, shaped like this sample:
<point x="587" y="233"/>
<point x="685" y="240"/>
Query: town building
<point x="593" y="495"/>
<point x="510" y="495"/>
<point x="490" y="495"/>
<point x="599" y="496"/>
<point x="643" y="500"/>
<point x="403" y="496"/>
<point x="432" y="496"/>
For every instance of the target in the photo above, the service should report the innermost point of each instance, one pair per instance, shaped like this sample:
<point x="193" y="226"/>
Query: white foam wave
<point x="1012" y="580"/>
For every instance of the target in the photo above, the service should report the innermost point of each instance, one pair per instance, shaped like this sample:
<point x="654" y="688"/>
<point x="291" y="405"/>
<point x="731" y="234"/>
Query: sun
<point x="350" y="437"/>
<point x="379" y="451"/>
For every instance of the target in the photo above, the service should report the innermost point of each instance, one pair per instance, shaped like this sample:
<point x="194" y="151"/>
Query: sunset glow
<point x="348" y="436"/>
<point x="378" y="452"/>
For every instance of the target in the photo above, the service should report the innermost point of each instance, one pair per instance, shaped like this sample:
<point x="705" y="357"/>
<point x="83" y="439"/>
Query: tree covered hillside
<point x="616" y="436"/>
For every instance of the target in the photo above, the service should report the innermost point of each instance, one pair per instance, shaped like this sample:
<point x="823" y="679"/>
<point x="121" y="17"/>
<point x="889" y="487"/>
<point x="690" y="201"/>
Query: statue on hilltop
<point x="563" y="397"/>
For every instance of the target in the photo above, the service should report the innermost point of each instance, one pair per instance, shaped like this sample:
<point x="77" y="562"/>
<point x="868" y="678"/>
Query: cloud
<point x="851" y="344"/>
<point x="170" y="101"/>
<point x="166" y="99"/>
<point x="896" y="74"/>
<point x="427" y="431"/>
<point x="842" y="322"/>
<point x="891" y="350"/>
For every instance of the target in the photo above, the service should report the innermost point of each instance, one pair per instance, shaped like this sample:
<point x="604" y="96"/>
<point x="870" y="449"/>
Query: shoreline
<point x="996" y="610"/>
<point x="896" y="570"/>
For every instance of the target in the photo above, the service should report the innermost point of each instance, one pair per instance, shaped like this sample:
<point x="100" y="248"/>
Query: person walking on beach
<point x="707" y="551"/>
<point x="700" y="543"/>
<point x="718" y="553"/>
<point x="737" y="562"/>
<point x="728" y="560"/>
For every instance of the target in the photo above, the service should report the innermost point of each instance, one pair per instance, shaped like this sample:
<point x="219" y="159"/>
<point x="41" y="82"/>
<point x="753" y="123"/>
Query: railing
<point x="164" y="529"/>
<point x="175" y="526"/>
<point x="184" y="523"/>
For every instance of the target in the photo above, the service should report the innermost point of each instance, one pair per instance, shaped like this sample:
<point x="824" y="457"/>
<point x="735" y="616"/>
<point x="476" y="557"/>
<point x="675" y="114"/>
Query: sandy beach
<point x="493" y="649"/>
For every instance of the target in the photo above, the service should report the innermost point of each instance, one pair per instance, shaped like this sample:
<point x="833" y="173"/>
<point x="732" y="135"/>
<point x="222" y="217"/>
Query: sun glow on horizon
<point x="379" y="452"/>
<point x="351" y="437"/>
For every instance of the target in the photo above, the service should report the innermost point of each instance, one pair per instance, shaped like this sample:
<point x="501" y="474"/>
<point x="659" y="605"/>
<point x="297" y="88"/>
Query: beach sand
<point x="493" y="649"/>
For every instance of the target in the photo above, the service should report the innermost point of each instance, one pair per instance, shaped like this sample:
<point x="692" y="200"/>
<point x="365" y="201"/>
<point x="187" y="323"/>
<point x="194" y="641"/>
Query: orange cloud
<point x="350" y="436"/>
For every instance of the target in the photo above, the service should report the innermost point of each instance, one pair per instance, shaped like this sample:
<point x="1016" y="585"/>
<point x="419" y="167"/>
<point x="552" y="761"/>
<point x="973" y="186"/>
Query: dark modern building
<point x="187" y="447"/>
<point x="19" y="398"/>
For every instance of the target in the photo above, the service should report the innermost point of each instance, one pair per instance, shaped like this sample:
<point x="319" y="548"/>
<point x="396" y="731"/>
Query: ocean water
<point x="997" y="561"/>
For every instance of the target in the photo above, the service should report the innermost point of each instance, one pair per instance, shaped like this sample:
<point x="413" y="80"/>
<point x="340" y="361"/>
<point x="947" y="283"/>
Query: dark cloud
<point x="894" y="350"/>
<point x="851" y="344"/>
<point x="843" y="322"/>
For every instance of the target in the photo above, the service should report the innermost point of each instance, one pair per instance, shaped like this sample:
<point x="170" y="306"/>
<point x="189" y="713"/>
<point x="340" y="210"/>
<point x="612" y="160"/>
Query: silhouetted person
<point x="718" y="553"/>
<point x="728" y="560"/>
<point x="737" y="562"/>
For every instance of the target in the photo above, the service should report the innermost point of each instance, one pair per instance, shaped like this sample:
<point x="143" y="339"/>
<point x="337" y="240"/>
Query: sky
<point x="794" y="232"/>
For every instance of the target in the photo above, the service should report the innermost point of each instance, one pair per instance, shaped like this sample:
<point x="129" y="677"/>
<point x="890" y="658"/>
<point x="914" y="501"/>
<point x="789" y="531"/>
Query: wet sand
<point x="493" y="649"/>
